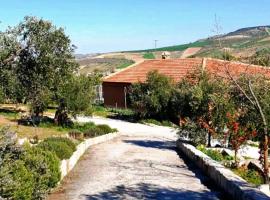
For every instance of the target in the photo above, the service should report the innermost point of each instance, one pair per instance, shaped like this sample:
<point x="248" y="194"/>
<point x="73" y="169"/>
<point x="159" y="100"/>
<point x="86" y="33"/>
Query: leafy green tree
<point x="200" y="97"/>
<point x="252" y="95"/>
<point x="151" y="99"/>
<point x="76" y="96"/>
<point x="41" y="57"/>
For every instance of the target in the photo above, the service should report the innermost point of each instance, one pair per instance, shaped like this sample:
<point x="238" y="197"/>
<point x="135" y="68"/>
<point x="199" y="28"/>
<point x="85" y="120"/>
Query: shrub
<point x="190" y="130"/>
<point x="158" y="123"/>
<point x="83" y="127"/>
<point x="261" y="57"/>
<point x="149" y="55"/>
<point x="93" y="132"/>
<point x="16" y="181"/>
<point x="44" y="166"/>
<point x="214" y="154"/>
<point x="250" y="175"/>
<point x="101" y="129"/>
<point x="105" y="129"/>
<point x="62" y="147"/>
<point x="76" y="134"/>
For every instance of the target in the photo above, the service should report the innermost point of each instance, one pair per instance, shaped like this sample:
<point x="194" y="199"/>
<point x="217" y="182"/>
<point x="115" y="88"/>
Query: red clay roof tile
<point x="179" y="68"/>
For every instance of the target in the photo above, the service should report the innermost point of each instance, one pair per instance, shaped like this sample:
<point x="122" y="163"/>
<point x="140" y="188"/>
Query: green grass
<point x="158" y="123"/>
<point x="250" y="175"/>
<point x="125" y="64"/>
<point x="179" y="47"/>
<point x="214" y="154"/>
<point x="149" y="55"/>
<point x="9" y="114"/>
<point x="78" y="126"/>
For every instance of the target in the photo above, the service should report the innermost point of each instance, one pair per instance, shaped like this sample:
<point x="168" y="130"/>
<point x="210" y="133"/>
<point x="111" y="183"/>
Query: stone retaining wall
<point x="232" y="184"/>
<point x="67" y="165"/>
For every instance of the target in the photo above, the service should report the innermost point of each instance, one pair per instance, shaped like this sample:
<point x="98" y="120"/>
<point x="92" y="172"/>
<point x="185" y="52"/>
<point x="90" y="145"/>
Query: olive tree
<point x="77" y="95"/>
<point x="40" y="55"/>
<point x="151" y="98"/>
<point x="200" y="97"/>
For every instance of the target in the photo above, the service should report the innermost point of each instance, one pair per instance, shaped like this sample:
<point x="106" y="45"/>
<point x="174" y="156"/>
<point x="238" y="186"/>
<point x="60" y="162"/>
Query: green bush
<point x="214" y="154"/>
<point x="83" y="127"/>
<point x="98" y="130"/>
<point x="156" y="122"/>
<point x="45" y="168"/>
<point x="75" y="134"/>
<point x="62" y="147"/>
<point x="250" y="175"/>
<point x="149" y="55"/>
<point x="93" y="132"/>
<point x="105" y="129"/>
<point x="193" y="132"/>
<point x="25" y="172"/>
<point x="16" y="181"/>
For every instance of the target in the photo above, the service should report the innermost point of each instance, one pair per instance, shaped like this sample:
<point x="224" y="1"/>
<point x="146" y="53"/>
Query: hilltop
<point x="240" y="43"/>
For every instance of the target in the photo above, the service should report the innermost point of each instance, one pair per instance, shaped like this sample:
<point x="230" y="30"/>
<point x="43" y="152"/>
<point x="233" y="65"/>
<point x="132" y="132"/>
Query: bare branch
<point x="258" y="105"/>
<point x="238" y="86"/>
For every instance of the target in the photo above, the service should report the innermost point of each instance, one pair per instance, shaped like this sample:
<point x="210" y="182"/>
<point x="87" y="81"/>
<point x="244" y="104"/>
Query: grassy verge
<point x="250" y="175"/>
<point x="158" y="123"/>
<point x="214" y="154"/>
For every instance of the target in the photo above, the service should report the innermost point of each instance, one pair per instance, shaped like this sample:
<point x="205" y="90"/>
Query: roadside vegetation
<point x="231" y="111"/>
<point x="32" y="170"/>
<point x="40" y="93"/>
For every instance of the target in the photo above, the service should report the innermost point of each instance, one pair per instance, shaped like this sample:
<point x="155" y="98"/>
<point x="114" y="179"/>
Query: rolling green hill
<point x="241" y="43"/>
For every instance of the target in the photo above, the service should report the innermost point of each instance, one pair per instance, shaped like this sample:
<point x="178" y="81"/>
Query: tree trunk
<point x="265" y="159"/>
<point x="209" y="140"/>
<point x="235" y="158"/>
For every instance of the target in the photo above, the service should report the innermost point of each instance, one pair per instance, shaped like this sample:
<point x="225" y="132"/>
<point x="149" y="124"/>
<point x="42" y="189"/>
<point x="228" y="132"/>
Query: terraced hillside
<point x="241" y="43"/>
<point x="108" y="65"/>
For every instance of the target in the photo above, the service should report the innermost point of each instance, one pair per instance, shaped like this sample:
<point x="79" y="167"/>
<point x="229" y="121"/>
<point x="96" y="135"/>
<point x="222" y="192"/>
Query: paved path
<point x="138" y="166"/>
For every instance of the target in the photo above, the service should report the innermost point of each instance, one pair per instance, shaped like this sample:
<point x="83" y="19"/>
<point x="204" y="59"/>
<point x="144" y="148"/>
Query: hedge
<point x="62" y="147"/>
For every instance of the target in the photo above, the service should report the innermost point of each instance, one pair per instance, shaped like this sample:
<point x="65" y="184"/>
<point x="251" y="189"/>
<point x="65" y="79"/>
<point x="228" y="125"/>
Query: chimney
<point x="165" y="55"/>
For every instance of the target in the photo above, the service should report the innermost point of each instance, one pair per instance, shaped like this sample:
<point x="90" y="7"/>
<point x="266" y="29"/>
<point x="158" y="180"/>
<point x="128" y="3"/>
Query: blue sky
<point x="113" y="25"/>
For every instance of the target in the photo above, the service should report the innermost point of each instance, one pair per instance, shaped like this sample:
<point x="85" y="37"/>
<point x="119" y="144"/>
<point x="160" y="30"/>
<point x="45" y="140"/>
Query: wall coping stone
<point x="231" y="183"/>
<point x="68" y="164"/>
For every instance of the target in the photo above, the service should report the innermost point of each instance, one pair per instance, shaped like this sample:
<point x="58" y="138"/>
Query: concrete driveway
<point x="142" y="163"/>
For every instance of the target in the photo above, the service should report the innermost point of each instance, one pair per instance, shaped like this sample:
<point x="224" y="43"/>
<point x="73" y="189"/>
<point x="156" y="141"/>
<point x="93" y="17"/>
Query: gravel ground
<point x="142" y="163"/>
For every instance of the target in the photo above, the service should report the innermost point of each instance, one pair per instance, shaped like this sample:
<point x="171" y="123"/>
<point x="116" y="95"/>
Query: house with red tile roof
<point x="115" y="86"/>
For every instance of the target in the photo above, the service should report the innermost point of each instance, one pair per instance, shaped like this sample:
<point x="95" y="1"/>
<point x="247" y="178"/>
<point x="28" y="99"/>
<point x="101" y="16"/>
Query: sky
<point x="96" y="26"/>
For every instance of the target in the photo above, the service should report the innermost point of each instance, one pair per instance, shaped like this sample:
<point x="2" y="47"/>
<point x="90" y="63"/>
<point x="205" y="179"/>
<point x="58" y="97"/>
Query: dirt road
<point x="135" y="167"/>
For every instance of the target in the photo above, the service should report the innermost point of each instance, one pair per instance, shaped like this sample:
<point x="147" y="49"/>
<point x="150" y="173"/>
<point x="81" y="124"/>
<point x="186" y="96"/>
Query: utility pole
<point x="156" y="43"/>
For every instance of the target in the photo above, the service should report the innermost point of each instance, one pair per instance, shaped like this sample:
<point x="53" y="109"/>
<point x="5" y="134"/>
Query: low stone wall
<point x="232" y="184"/>
<point x="67" y="165"/>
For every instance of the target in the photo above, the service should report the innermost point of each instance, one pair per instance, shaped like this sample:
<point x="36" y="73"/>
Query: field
<point x="241" y="44"/>
<point x="149" y="55"/>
